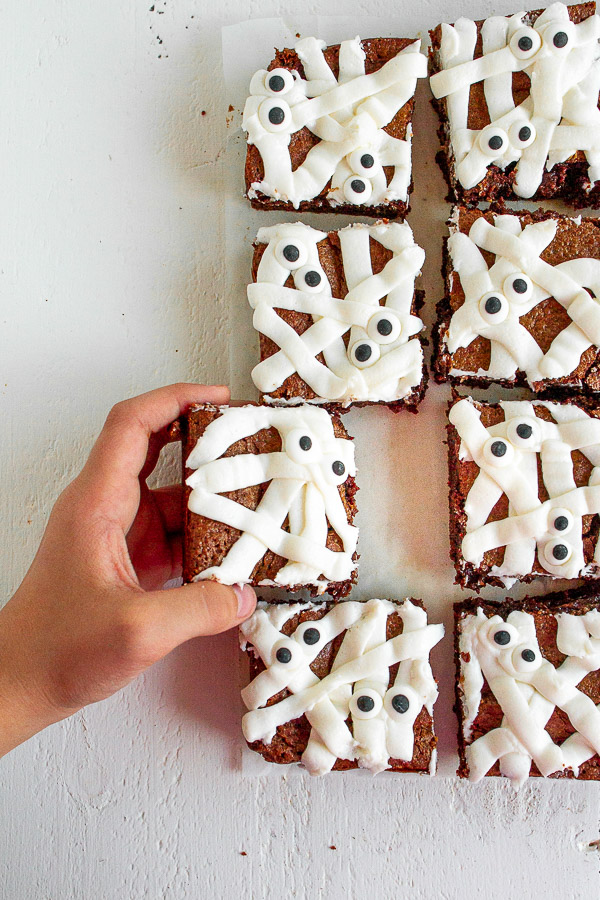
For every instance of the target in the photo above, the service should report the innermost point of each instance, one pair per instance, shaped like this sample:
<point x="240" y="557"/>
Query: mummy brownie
<point x="528" y="687"/>
<point x="524" y="491"/>
<point x="270" y="498"/>
<point x="329" y="128"/>
<point x="521" y="301"/>
<point x="517" y="98"/>
<point x="342" y="686"/>
<point x="337" y="315"/>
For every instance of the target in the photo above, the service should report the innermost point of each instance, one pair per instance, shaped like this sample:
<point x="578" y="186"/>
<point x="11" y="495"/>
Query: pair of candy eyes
<point x="521" y="434"/>
<point x="494" y="141"/>
<point x="556" y="36"/>
<point x="494" y="306"/>
<point x="302" y="448"/>
<point x="524" y="658"/>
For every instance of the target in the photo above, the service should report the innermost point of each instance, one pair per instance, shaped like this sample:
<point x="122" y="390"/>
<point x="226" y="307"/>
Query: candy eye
<point x="285" y="653"/>
<point x="525" y="43"/>
<point x="561" y="521"/>
<point x="521" y="134"/>
<point x="310" y="279"/>
<point x="518" y="287"/>
<point x="384" y="326"/>
<point x="300" y="446"/>
<point x="493" y="141"/>
<point x="307" y="634"/>
<point x="290" y="254"/>
<point x="523" y="433"/>
<point x="364" y="353"/>
<point x="275" y="115"/>
<point x="362" y="162"/>
<point x="335" y="470"/>
<point x="558" y="37"/>
<point x="558" y="552"/>
<point x="357" y="190"/>
<point x="400" y="701"/>
<point x="526" y="658"/>
<point x="501" y="635"/>
<point x="279" y="81"/>
<point x="497" y="452"/>
<point x="493" y="308"/>
<point x="365" y="704"/>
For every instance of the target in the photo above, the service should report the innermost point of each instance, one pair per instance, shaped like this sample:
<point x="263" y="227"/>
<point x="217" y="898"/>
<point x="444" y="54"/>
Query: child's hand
<point x="90" y="614"/>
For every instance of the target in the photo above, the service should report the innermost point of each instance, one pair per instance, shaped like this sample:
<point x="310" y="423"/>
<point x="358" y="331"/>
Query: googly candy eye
<point x="334" y="470"/>
<point x="290" y="254"/>
<point x="521" y="135"/>
<point x="384" y="326"/>
<point x="558" y="552"/>
<point x="559" y="37"/>
<point x="365" y="704"/>
<point x="279" y="81"/>
<point x="362" y="162"/>
<point x="525" y="42"/>
<point x="493" y="307"/>
<point x="493" y="141"/>
<point x="401" y="703"/>
<point x="310" y="279"/>
<point x="560" y="521"/>
<point x="364" y="353"/>
<point x="526" y="658"/>
<point x="518" y="287"/>
<point x="275" y="115"/>
<point x="308" y="634"/>
<point x="285" y="653"/>
<point x="498" y="453"/>
<point x="523" y="432"/>
<point x="357" y="190"/>
<point x="301" y="446"/>
<point x="501" y="635"/>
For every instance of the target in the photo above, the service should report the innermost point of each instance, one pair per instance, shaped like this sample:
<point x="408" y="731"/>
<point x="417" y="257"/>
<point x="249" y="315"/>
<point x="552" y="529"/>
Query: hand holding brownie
<point x="90" y="614"/>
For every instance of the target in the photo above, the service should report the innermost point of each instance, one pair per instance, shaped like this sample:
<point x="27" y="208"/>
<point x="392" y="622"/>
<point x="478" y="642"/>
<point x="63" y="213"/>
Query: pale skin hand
<point x="90" y="614"/>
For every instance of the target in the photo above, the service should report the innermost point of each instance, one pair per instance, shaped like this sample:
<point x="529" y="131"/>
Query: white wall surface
<point x="112" y="281"/>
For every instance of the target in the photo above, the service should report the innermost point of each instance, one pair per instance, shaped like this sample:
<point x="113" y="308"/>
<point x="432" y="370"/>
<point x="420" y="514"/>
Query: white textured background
<point x="113" y="281"/>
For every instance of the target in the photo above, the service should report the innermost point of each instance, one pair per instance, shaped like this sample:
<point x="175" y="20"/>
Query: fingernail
<point x="246" y="599"/>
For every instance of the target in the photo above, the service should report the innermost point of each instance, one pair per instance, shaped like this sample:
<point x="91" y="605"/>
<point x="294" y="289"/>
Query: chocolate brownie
<point x="519" y="306"/>
<point x="502" y="138"/>
<point x="524" y="491"/>
<point x="342" y="686"/>
<point x="269" y="498"/>
<point x="338" y="316"/>
<point x="528" y="687"/>
<point x="317" y="144"/>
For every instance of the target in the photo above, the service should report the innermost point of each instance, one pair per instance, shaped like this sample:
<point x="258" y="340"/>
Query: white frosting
<point x="360" y="670"/>
<point x="303" y="488"/>
<point x="551" y="531"/>
<point x="395" y="357"/>
<point x="559" y="116"/>
<point x="517" y="260"/>
<point x="348" y="115"/>
<point x="528" y="688"/>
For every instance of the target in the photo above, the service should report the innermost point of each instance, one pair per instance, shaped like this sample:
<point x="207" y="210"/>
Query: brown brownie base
<point x="330" y="256"/>
<point x="576" y="602"/>
<point x="544" y="322"/>
<point x="462" y="474"/>
<point x="566" y="181"/>
<point x="291" y="739"/>
<point x="207" y="542"/>
<point x="378" y="51"/>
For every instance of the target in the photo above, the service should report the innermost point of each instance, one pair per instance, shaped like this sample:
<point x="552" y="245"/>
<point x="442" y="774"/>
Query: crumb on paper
<point x="331" y="846"/>
<point x="243" y="853"/>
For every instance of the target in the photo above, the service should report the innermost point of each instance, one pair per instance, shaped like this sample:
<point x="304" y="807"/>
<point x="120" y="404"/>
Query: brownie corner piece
<point x="345" y="149"/>
<point x="317" y="696"/>
<point x="528" y="687"/>
<point x="269" y="498"/>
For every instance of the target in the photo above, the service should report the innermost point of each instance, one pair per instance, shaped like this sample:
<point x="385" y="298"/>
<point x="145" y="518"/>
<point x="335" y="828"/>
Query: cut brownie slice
<point x="329" y="128"/>
<point x="517" y="98"/>
<point x="528" y="687"/>
<point x="337" y="315"/>
<point x="342" y="686"/>
<point x="269" y="498"/>
<point x="524" y="491"/>
<point x="520" y="305"/>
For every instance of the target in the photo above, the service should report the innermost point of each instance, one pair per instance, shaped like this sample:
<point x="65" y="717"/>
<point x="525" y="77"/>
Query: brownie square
<point x="524" y="491"/>
<point x="517" y="98"/>
<point x="519" y="307"/>
<point x="269" y="498"/>
<point x="337" y="315"/>
<point x="342" y="686"/>
<point x="329" y="128"/>
<point x="528" y="687"/>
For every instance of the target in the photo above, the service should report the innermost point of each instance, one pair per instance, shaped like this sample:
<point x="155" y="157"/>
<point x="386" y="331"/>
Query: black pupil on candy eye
<point x="384" y="327"/>
<point x="291" y="253"/>
<point x="560" y="39"/>
<point x="312" y="279"/>
<point x="338" y="467"/>
<point x="276" y="115"/>
<point x="560" y="552"/>
<point x="400" y="703"/>
<point x="502" y="638"/>
<point x="495" y="142"/>
<point x="493" y="305"/>
<point x="367" y="161"/>
<point x="498" y="448"/>
<point x="305" y="442"/>
<point x="524" y="133"/>
<point x="528" y="655"/>
<point x="283" y="655"/>
<point x="525" y="43"/>
<point x="357" y="186"/>
<point x="362" y="352"/>
<point x="561" y="523"/>
<point x="311" y="636"/>
<point x="276" y="83"/>
<point x="365" y="704"/>
<point x="519" y="286"/>
<point x="524" y="431"/>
